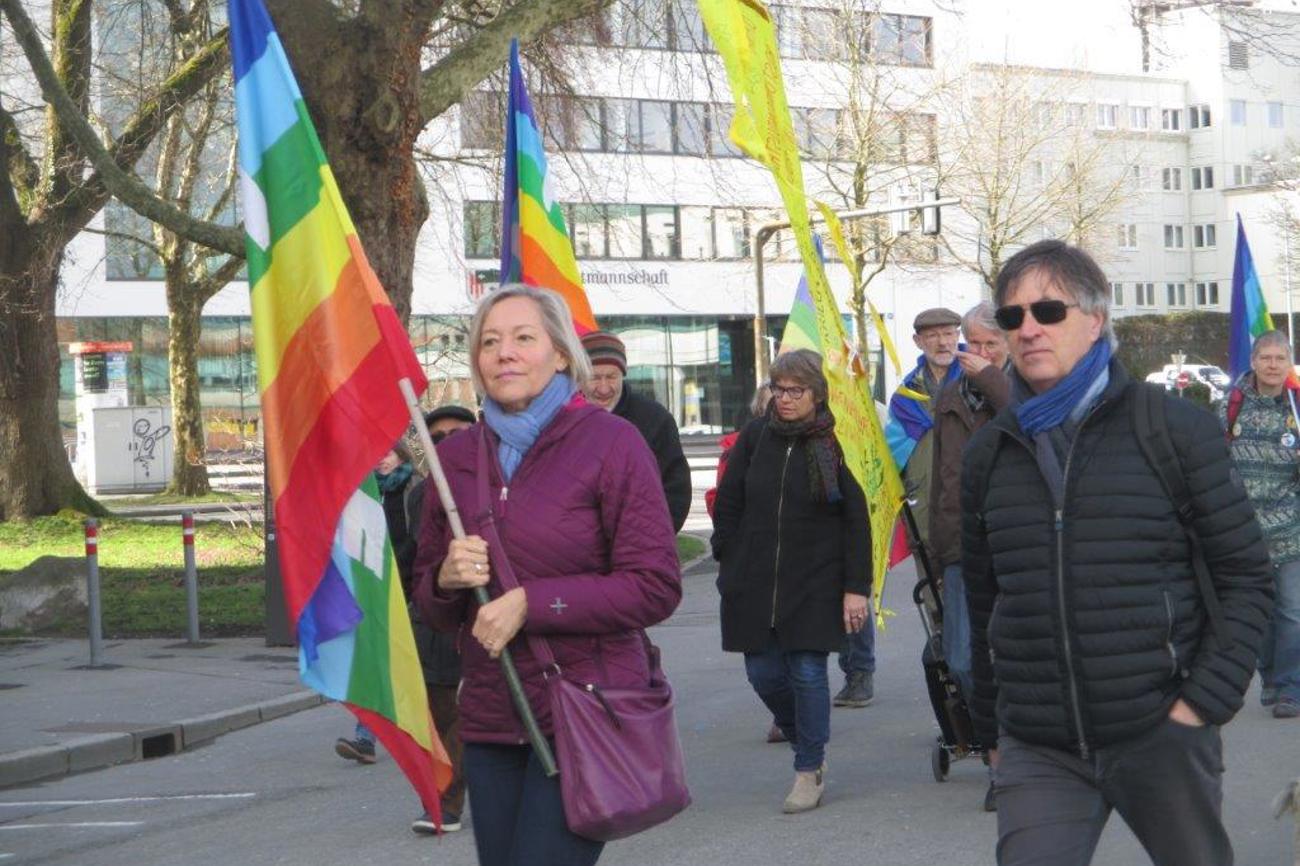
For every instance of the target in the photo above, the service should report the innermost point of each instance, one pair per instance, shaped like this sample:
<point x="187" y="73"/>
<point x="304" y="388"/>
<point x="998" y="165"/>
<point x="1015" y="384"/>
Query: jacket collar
<point x="1120" y="381"/>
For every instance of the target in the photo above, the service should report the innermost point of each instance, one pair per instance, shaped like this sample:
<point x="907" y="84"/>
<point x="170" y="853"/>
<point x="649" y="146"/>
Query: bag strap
<point x="499" y="560"/>
<point x="1152" y="429"/>
<point x="1235" y="398"/>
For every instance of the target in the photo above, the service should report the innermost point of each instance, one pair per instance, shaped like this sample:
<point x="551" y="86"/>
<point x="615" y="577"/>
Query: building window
<point x="696" y="233"/>
<point x="730" y="233"/>
<point x="1128" y="236"/>
<point x="1171" y="179"/>
<point x="1176" y="294"/>
<point x="587" y="228"/>
<point x="1139" y="116"/>
<point x="482" y="230"/>
<point x="481" y="120"/>
<point x="1107" y="116"/>
<point x="720" y="143"/>
<point x="1243" y="175"/>
<point x="1274" y="115"/>
<point x="573" y="123"/>
<point x="1144" y="294"/>
<point x="1171" y="119"/>
<point x="1075" y="112"/>
<point x="1237" y="108"/>
<point x="1207" y="294"/>
<point x="1238" y="55"/>
<point x="1203" y="177"/>
<point x="1173" y="237"/>
<point x="1117" y="294"/>
<point x="902" y="40"/>
<point x="1138" y="177"/>
<point x="1203" y="236"/>
<point x="690" y="129"/>
<point x="1198" y="117"/>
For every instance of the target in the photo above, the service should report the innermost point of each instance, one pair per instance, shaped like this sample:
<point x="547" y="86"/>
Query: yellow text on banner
<point x="745" y="37"/>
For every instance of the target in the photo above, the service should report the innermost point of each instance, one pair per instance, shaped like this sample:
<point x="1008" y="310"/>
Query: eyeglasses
<point x="794" y="392"/>
<point x="934" y="335"/>
<point x="1011" y="317"/>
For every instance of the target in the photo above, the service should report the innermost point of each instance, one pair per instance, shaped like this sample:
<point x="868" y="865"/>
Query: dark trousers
<point x="518" y="813"/>
<point x="446" y="719"/>
<point x="1166" y="784"/>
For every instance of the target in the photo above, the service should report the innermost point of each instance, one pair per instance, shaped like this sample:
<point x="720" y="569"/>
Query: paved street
<point x="276" y="793"/>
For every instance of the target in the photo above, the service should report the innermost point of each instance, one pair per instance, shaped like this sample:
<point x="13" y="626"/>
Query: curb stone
<point x="97" y="751"/>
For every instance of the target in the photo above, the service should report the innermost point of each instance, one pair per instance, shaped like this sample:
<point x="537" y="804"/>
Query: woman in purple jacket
<point x="576" y="497"/>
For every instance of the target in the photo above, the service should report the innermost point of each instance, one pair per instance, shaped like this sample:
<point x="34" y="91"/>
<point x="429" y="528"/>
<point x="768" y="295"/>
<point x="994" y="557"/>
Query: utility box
<point x="126" y="449"/>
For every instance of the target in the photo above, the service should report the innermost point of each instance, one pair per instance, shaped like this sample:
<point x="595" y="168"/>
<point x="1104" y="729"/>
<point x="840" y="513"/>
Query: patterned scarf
<point x="820" y="448"/>
<point x="519" y="430"/>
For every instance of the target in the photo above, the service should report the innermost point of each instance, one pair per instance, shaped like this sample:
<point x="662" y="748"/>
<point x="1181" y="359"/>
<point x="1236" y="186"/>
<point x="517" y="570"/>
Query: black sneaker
<point x="990" y="799"/>
<point x="857" y="692"/>
<point x="1286" y="708"/>
<point x="425" y="825"/>
<point x="361" y="751"/>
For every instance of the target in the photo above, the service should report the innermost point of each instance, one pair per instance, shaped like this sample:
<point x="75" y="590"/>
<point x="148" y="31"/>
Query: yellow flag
<point x="744" y="35"/>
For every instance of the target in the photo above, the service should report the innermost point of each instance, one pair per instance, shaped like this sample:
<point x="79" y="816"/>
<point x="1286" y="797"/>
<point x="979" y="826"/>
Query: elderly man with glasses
<point x="1110" y="641"/>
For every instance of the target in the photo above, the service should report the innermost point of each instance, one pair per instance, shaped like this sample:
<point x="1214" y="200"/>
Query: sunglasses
<point x="1010" y="318"/>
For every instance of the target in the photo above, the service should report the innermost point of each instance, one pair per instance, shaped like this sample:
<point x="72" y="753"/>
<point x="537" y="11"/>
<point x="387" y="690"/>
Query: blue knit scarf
<point x="395" y="479"/>
<point x="1050" y="408"/>
<point x="519" y="430"/>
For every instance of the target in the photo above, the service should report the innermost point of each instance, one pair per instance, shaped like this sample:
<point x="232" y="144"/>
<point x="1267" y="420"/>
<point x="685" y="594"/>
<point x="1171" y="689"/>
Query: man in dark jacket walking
<point x="1097" y="674"/>
<point x="609" y="391"/>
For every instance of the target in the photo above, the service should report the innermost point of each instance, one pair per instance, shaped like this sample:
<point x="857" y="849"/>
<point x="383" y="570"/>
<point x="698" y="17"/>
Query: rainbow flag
<point x="1248" y="316"/>
<point x="801" y="328"/>
<point x="535" y="247"/>
<point x="330" y="352"/>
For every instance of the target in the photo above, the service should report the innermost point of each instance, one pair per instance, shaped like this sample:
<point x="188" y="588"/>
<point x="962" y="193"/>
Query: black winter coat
<point x="786" y="560"/>
<point x="1086" y="621"/>
<point x="659" y="430"/>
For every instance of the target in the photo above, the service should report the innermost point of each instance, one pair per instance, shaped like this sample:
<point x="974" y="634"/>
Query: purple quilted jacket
<point x="586" y="526"/>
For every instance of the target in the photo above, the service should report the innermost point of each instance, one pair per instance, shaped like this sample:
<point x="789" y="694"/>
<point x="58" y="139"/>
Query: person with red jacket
<point x="575" y="495"/>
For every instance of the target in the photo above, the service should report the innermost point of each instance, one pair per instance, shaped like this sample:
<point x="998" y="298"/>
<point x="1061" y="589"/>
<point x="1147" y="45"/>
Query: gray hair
<point x="980" y="315"/>
<point x="556" y="319"/>
<point x="762" y="396"/>
<point x="1270" y="338"/>
<point x="805" y="367"/>
<point x="1071" y="269"/>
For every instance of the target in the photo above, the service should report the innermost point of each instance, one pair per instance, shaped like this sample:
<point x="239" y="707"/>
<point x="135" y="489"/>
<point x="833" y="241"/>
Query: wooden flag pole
<point x="543" y="749"/>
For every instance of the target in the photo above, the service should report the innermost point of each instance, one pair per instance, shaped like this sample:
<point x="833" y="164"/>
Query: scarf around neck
<point x="519" y="430"/>
<point x="395" y="479"/>
<point x="821" y="450"/>
<point x="1074" y="393"/>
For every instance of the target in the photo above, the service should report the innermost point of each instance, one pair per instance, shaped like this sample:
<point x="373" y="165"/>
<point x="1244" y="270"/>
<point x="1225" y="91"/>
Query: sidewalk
<point x="158" y="698"/>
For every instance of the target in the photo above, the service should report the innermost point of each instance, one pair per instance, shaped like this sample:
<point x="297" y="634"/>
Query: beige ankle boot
<point x="806" y="794"/>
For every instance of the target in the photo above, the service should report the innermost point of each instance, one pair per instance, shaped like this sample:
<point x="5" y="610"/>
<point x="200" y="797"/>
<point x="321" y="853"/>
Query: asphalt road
<point x="277" y="794"/>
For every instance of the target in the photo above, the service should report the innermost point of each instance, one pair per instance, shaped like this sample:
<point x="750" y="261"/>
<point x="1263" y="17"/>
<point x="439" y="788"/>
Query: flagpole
<point x="540" y="746"/>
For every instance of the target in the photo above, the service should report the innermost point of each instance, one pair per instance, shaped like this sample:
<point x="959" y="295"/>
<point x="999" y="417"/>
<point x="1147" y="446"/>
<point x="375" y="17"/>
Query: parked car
<point x="1212" y="376"/>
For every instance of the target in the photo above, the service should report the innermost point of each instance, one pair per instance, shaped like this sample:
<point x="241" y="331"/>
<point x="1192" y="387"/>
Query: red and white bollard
<point x="191" y="575"/>
<point x="92" y="593"/>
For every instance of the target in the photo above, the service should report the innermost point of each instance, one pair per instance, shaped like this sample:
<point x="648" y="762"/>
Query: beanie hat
<point x="605" y="348"/>
<point x="451" y="410"/>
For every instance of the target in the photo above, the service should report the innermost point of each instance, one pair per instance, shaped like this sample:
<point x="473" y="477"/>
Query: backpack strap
<point x="1235" y="398"/>
<point x="1152" y="430"/>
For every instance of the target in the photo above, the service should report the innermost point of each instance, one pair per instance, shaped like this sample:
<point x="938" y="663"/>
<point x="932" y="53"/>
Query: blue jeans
<point x="956" y="630"/>
<point x="363" y="734"/>
<point x="793" y="685"/>
<point x="859" y="653"/>
<point x="1279" y="657"/>
<point x="518" y="812"/>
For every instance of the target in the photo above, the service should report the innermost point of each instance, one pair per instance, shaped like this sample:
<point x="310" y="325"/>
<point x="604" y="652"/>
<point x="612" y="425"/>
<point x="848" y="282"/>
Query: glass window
<point x="1117" y="294"/>
<point x="691" y="131"/>
<point x="1128" y="236"/>
<point x="128" y="259"/>
<point x="1171" y="179"/>
<point x="482" y="120"/>
<point x="587" y="224"/>
<point x="888" y="44"/>
<point x="1107" y="116"/>
<point x="643" y="24"/>
<point x="720" y="143"/>
<point x="822" y="35"/>
<point x="730" y="234"/>
<point x="823" y="133"/>
<point x="688" y="28"/>
<point x="624" y="231"/>
<point x="915" y="40"/>
<point x="1171" y="119"/>
<point x="482" y="229"/>
<point x="1237" y="108"/>
<point x="575" y="122"/>
<point x="1139" y="117"/>
<point x="661" y="232"/>
<point x="696" y="233"/>
<point x="1176" y="294"/>
<point x="787" y="22"/>
<point x="622" y="125"/>
<point x="1275" y="115"/>
<point x="920" y="142"/>
<point x="656" y="134"/>
<point x="1074" y="113"/>
<point x="1173" y="237"/>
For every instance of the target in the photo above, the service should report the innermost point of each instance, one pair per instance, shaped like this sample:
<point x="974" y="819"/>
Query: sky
<point x="1082" y="34"/>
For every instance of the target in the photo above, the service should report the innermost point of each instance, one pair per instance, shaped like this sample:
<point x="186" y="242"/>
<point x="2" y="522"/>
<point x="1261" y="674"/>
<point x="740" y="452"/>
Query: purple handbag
<point x="620" y="760"/>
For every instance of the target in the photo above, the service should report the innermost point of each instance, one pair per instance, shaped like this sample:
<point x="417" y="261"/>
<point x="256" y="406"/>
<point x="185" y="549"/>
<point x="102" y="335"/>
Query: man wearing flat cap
<point x="656" y="425"/>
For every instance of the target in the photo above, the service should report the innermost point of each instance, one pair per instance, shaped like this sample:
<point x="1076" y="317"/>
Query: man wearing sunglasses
<point x="1096" y="674"/>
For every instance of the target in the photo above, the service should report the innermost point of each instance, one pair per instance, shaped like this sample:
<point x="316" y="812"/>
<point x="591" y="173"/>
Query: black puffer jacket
<point x="1092" y="613"/>
<point x="659" y="430"/>
<point x="786" y="559"/>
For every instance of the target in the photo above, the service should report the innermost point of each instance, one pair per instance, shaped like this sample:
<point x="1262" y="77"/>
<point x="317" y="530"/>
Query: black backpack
<point x="1157" y="447"/>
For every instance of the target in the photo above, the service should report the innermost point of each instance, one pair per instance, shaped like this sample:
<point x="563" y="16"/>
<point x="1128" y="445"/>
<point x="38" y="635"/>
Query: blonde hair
<point x="556" y="319"/>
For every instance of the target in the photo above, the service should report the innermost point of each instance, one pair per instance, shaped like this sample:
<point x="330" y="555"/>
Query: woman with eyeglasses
<point x="792" y="537"/>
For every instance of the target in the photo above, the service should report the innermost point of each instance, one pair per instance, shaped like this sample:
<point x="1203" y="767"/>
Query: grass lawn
<point x="142" y="573"/>
<point x="173" y="499"/>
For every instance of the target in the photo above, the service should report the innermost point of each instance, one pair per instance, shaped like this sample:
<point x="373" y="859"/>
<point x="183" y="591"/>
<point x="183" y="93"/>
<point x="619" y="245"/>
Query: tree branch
<point x="19" y="173"/>
<point x="108" y="172"/>
<point x="446" y="82"/>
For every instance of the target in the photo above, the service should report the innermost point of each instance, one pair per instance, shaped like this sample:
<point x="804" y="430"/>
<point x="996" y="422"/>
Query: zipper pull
<point x="504" y="492"/>
<point x="1060" y="520"/>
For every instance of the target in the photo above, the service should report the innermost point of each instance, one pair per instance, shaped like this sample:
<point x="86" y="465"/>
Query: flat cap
<point x="935" y="317"/>
<point x="450" y="410"/>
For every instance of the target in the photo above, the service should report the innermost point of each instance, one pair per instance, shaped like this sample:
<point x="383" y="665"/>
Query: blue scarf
<point x="909" y="420"/>
<point x="1051" y="408"/>
<point x="519" y="430"/>
<point x="395" y="479"/>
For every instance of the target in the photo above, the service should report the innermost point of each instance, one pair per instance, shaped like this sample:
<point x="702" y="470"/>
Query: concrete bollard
<point x="92" y="593"/>
<point x="191" y="576"/>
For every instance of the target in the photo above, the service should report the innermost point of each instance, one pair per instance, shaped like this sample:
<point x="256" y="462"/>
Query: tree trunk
<point x="35" y="475"/>
<point x="184" y="327"/>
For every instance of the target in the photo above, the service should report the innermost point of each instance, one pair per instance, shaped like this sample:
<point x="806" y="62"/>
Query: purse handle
<point x="540" y="647"/>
